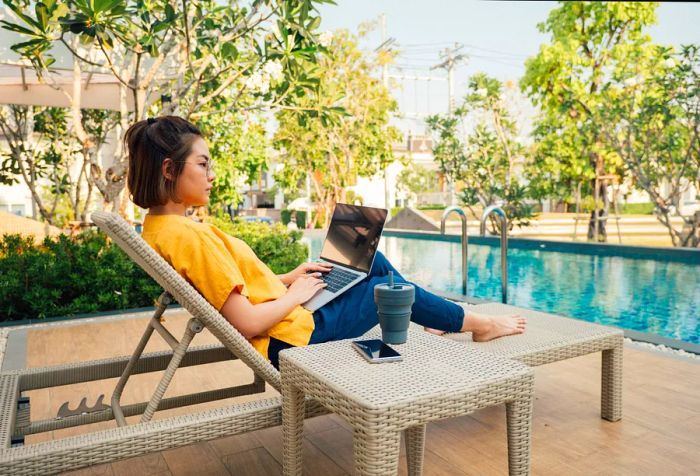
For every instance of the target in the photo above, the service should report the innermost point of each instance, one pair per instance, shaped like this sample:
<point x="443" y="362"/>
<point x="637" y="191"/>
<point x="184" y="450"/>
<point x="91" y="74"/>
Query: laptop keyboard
<point x="337" y="279"/>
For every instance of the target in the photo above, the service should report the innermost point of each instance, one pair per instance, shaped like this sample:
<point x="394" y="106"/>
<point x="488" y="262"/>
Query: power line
<point x="439" y="43"/>
<point x="502" y="53"/>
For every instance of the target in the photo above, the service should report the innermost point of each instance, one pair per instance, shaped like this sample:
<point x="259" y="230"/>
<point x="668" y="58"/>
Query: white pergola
<point x="19" y="84"/>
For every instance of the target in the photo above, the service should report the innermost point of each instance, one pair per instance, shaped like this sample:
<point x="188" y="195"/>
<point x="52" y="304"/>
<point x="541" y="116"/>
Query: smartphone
<point x="375" y="351"/>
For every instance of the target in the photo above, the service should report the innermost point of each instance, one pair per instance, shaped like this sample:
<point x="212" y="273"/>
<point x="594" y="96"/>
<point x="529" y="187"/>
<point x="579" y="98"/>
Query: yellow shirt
<point x="217" y="264"/>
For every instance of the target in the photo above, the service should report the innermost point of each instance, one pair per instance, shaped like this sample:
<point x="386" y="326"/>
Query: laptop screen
<point x="353" y="236"/>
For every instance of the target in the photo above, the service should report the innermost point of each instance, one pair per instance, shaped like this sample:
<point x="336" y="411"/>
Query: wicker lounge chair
<point x="148" y="436"/>
<point x="550" y="338"/>
<point x="545" y="341"/>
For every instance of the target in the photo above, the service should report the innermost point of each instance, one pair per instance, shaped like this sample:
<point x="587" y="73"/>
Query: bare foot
<point x="437" y="332"/>
<point x="485" y="327"/>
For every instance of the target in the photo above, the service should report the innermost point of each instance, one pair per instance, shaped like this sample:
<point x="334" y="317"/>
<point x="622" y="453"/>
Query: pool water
<point x="641" y="294"/>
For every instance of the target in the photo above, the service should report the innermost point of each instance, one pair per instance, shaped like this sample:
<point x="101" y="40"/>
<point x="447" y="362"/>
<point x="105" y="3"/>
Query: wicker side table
<point x="437" y="379"/>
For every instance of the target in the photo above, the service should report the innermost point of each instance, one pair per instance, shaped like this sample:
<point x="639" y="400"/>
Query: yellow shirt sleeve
<point x="201" y="257"/>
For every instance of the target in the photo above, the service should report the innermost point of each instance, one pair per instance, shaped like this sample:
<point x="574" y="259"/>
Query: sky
<point x="497" y="36"/>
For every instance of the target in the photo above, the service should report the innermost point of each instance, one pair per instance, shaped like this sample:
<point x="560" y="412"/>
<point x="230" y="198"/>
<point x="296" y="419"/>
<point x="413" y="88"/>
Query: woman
<point x="170" y="171"/>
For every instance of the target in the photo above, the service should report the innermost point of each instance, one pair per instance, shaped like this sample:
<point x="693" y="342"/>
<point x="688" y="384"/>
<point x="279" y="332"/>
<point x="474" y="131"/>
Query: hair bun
<point x="150" y="121"/>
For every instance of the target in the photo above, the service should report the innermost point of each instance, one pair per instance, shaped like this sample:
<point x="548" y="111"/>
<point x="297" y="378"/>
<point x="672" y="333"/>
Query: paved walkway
<point x="642" y="230"/>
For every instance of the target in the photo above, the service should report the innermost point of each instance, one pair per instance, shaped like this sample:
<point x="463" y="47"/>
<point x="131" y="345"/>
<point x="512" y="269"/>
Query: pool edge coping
<point x="636" y="336"/>
<point x="580" y="247"/>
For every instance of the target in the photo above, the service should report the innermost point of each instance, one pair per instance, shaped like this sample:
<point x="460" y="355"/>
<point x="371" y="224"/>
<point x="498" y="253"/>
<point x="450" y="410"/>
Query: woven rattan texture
<point x="431" y="366"/>
<point x="9" y="385"/>
<point x="548" y="337"/>
<point x="437" y="379"/>
<point x="134" y="440"/>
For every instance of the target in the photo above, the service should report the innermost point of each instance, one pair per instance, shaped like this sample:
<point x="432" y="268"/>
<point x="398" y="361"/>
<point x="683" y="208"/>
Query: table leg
<point x="611" y="385"/>
<point x="292" y="429"/>
<point x="376" y="453"/>
<point x="415" y="448"/>
<point x="519" y="421"/>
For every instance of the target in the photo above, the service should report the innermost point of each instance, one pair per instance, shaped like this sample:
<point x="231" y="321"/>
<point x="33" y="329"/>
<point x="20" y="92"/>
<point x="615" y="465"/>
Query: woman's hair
<point x="149" y="143"/>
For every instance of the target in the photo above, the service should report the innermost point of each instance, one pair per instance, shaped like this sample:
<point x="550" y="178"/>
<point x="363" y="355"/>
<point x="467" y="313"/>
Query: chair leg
<point x="519" y="422"/>
<point x="376" y="453"/>
<point x="193" y="327"/>
<point x="611" y="384"/>
<point x="415" y="449"/>
<point x="119" y="388"/>
<point x="293" y="410"/>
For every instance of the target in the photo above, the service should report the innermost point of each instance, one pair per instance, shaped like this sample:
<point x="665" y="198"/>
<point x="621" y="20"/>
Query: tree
<point x="332" y="152"/>
<point x="47" y="159"/>
<point x="25" y="158"/>
<point x="239" y="147"/>
<point x="486" y="159"/>
<point x="188" y="53"/>
<point x="568" y="80"/>
<point x="629" y="106"/>
<point x="416" y="179"/>
<point x="655" y="107"/>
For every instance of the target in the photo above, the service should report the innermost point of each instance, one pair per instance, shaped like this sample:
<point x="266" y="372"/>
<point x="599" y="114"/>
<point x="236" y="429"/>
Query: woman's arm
<point x="254" y="319"/>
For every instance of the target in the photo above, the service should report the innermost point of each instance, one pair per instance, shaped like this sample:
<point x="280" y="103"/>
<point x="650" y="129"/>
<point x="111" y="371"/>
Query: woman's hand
<point x="304" y="287"/>
<point x="305" y="269"/>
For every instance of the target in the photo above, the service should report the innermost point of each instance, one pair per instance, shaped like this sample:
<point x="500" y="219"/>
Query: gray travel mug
<point x="394" y="301"/>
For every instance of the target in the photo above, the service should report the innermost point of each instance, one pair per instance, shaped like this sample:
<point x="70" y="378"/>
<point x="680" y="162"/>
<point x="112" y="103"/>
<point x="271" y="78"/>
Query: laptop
<point x="351" y="245"/>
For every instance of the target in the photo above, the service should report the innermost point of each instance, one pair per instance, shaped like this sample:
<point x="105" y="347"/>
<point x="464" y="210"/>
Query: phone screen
<point x="376" y="349"/>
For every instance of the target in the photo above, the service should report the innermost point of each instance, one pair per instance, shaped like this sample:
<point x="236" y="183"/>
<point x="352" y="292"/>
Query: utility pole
<point x="451" y="57"/>
<point x="385" y="65"/>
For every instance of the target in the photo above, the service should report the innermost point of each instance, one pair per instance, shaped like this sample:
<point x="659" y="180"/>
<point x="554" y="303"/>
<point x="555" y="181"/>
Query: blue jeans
<point x="354" y="312"/>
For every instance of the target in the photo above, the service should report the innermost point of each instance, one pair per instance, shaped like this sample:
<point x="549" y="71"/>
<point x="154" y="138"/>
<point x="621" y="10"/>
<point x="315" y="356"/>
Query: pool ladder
<point x="465" y="242"/>
<point x="482" y="228"/>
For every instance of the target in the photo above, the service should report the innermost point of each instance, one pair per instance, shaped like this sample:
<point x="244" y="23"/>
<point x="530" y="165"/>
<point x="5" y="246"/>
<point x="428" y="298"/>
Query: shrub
<point x="432" y="206"/>
<point x="637" y="209"/>
<point x="275" y="245"/>
<point x="301" y="219"/>
<point x="285" y="216"/>
<point x="87" y="273"/>
<point x="66" y="276"/>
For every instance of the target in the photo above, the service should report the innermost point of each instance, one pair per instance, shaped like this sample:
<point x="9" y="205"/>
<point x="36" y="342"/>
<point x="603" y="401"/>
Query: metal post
<point x="465" y="242"/>
<point x="504" y="245"/>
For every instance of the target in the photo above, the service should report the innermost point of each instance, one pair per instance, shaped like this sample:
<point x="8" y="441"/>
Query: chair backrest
<point x="165" y="275"/>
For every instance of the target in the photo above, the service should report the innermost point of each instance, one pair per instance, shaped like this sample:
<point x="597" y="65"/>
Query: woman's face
<point x="194" y="183"/>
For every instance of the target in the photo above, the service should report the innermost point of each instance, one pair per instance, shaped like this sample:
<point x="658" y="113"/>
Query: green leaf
<point x="229" y="51"/>
<point x="99" y="6"/>
<point x="315" y="23"/>
<point x="19" y="12"/>
<point x="18" y="28"/>
<point x="169" y="13"/>
<point x="42" y="15"/>
<point x="31" y="45"/>
<point x="158" y="26"/>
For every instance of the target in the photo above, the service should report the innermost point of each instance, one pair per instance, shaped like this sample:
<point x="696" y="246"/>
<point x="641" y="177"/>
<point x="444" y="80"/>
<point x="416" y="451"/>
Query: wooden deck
<point x="658" y="433"/>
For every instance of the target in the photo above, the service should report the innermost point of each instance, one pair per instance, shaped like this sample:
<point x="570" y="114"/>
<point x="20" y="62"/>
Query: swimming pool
<point x="657" y="293"/>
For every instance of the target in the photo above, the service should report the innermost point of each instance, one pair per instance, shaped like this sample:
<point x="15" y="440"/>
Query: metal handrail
<point x="465" y="241"/>
<point x="504" y="245"/>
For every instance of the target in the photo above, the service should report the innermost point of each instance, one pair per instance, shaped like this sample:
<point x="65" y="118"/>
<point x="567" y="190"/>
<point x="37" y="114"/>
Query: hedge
<point x="64" y="275"/>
